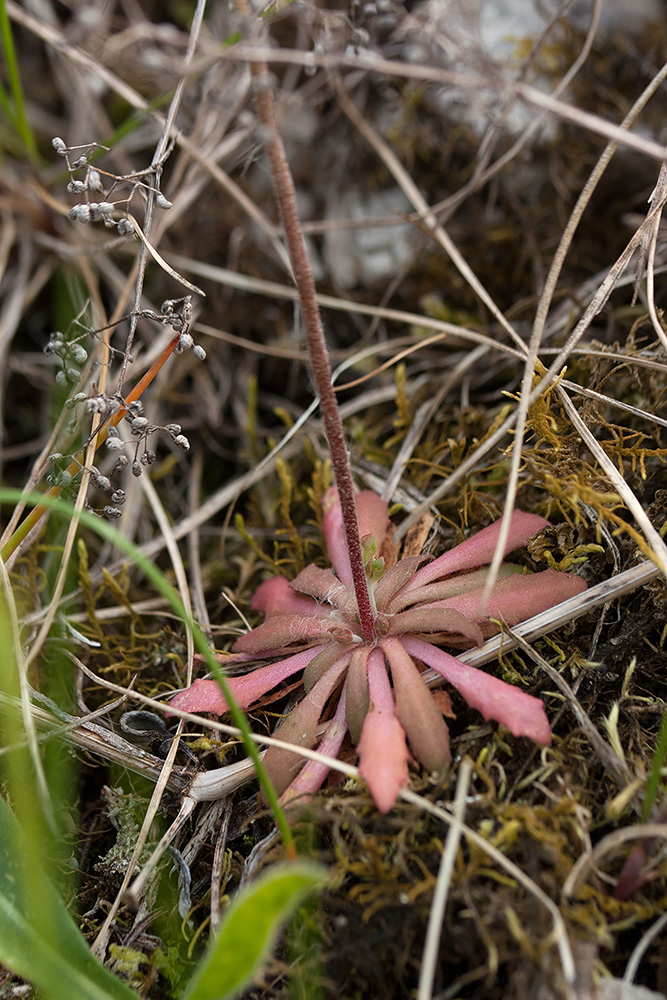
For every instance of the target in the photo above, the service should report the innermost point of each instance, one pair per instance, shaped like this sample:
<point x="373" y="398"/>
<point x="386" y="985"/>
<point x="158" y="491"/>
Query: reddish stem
<point x="283" y="185"/>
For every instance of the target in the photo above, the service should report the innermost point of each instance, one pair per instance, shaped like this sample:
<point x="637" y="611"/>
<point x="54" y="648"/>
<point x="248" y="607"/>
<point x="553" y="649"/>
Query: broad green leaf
<point x="249" y="929"/>
<point x="39" y="941"/>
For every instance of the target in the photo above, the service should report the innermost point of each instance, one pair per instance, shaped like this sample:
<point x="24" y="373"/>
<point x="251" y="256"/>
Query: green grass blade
<point x="39" y="941"/>
<point x="653" y="783"/>
<point x="14" y="77"/>
<point x="249" y="930"/>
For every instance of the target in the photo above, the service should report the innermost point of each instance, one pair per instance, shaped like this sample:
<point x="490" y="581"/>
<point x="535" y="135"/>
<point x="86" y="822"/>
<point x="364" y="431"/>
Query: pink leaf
<point x="437" y="617"/>
<point x="441" y="590"/>
<point x="372" y="518"/>
<point x="394" y="579"/>
<point x="417" y="712"/>
<point x="324" y="586"/>
<point x="276" y="597"/>
<point x="479" y="548"/>
<point x="517" y="597"/>
<point x="383" y="754"/>
<point x="206" y="695"/>
<point x="519" y="712"/>
<point x="357" y="692"/>
<point x="282" y="630"/>
<point x="313" y="774"/>
<point x="300" y="728"/>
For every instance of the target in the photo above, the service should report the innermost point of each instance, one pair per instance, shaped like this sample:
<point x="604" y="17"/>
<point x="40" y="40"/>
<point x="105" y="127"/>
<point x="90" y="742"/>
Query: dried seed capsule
<point x="136" y="468"/>
<point x="80" y="162"/>
<point x="103" y="483"/>
<point x="79" y="354"/>
<point x="125" y="227"/>
<point x="138" y="425"/>
<point x="76" y="187"/>
<point x="182" y="442"/>
<point x="148" y="458"/>
<point x="95" y="181"/>
<point x="136" y="407"/>
<point x="59" y="145"/>
<point x="112" y="432"/>
<point x="61" y="378"/>
<point x="111" y="512"/>
<point x="80" y="213"/>
<point x="161" y="201"/>
<point x="199" y="352"/>
<point x="64" y="478"/>
<point x="173" y="429"/>
<point x="118" y="497"/>
<point x="56" y="457"/>
<point x="113" y="444"/>
<point x="122" y="462"/>
<point x="185" y="342"/>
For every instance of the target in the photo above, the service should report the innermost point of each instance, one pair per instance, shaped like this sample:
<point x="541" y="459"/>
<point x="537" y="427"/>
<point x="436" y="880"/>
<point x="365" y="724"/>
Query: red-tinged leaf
<point x="394" y="579"/>
<point x="478" y="550"/>
<point x="434" y="618"/>
<point x="276" y="597"/>
<point x="314" y="773"/>
<point x="417" y="712"/>
<point x="383" y="757"/>
<point x="357" y="699"/>
<point x="283" y="630"/>
<point x="441" y="590"/>
<point x="519" y="712"/>
<point x="372" y="518"/>
<point x="206" y="695"/>
<point x="300" y="728"/>
<point x="322" y="585"/>
<point x="383" y="753"/>
<point x="319" y="665"/>
<point x="517" y="598"/>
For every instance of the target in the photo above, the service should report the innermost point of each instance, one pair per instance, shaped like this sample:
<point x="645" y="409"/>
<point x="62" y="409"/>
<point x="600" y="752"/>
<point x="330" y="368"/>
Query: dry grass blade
<point x="437" y="913"/>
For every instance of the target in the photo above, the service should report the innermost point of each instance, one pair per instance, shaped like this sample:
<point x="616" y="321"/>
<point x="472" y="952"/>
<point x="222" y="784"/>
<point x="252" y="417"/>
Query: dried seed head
<point x="95" y="181"/>
<point x="122" y="462"/>
<point x="96" y="404"/>
<point x="182" y="442"/>
<point x="111" y="512"/>
<point x="64" y="478"/>
<point x="103" y="483"/>
<point x="57" y="456"/>
<point x="199" y="352"/>
<point x="81" y="161"/>
<point x="61" y="378"/>
<point x="76" y="187"/>
<point x="118" y="497"/>
<point x="114" y="444"/>
<point x="80" y="213"/>
<point x="185" y="342"/>
<point x="59" y="145"/>
<point x="125" y="227"/>
<point x="138" y="425"/>
<point x="161" y="201"/>
<point x="148" y="457"/>
<point x="79" y="354"/>
<point x="173" y="429"/>
<point x="136" y="468"/>
<point x="135" y="408"/>
<point x="112" y="432"/>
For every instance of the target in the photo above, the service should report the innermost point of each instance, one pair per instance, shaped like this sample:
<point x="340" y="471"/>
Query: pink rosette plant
<point x="370" y="685"/>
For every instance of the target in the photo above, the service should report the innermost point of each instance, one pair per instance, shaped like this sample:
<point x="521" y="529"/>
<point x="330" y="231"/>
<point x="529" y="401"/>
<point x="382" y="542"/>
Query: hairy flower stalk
<point x="372" y="690"/>
<point x="283" y="185"/>
<point x="361" y="633"/>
